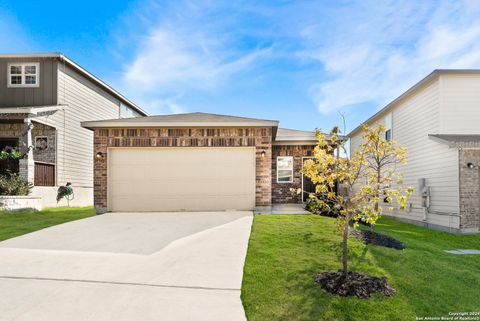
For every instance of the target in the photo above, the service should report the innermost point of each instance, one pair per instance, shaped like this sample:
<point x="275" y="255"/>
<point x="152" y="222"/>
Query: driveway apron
<point x="128" y="266"/>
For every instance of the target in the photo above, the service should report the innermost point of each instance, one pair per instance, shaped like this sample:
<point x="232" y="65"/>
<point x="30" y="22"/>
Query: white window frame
<point x="23" y="84"/>
<point x="282" y="182"/>
<point x="389" y="121"/>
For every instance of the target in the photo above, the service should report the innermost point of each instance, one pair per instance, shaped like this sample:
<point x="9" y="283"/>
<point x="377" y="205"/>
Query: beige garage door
<point x="177" y="179"/>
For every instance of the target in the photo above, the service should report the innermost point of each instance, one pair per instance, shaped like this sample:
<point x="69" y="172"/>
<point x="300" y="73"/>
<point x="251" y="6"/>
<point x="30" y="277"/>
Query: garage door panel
<point x="215" y="190"/>
<point x="172" y="179"/>
<point x="211" y="203"/>
<point x="205" y="172"/>
<point x="173" y="188"/>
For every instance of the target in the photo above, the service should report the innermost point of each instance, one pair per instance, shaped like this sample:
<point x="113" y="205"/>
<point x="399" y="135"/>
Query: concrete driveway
<point x="128" y="266"/>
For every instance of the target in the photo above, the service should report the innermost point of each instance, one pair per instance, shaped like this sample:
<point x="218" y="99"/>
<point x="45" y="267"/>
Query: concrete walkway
<point x="282" y="209"/>
<point x="128" y="266"/>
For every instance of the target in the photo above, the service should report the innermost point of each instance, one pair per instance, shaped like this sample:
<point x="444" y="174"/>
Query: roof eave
<point x="303" y="140"/>
<point x="33" y="55"/>
<point x="468" y="144"/>
<point x="296" y="138"/>
<point x="433" y="75"/>
<point x="127" y="124"/>
<point x="33" y="110"/>
<point x="294" y="142"/>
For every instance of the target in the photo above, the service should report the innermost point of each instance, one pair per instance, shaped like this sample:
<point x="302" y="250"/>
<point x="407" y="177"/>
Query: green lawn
<point x="17" y="223"/>
<point x="287" y="251"/>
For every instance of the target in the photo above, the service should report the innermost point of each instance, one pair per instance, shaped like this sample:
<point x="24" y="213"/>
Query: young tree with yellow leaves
<point x="382" y="156"/>
<point x="359" y="180"/>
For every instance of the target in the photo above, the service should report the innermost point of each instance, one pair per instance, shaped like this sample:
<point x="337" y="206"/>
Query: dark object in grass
<point x="370" y="237"/>
<point x="315" y="206"/>
<point x="356" y="284"/>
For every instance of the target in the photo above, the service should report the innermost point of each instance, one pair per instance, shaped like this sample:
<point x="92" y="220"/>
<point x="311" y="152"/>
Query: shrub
<point x="317" y="206"/>
<point x="12" y="154"/>
<point x="14" y="185"/>
<point x="313" y="206"/>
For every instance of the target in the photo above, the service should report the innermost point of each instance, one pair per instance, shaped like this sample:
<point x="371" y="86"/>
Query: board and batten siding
<point x="44" y="95"/>
<point x="460" y="104"/>
<point x="413" y="119"/>
<point x="84" y="101"/>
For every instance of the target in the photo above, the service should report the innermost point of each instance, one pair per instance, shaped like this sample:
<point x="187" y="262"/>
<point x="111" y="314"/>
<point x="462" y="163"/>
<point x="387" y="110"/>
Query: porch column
<point x="26" y="164"/>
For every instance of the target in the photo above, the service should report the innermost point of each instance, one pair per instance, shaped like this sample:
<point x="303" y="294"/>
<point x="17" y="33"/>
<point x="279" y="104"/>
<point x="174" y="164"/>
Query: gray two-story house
<point x="43" y="99"/>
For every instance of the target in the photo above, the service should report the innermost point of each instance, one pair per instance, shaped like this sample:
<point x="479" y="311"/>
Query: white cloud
<point x="376" y="59"/>
<point x="181" y="49"/>
<point x="167" y="105"/>
<point x="168" y="60"/>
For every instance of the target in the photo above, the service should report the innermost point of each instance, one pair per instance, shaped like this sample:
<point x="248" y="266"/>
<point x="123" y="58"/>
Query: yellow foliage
<point x="369" y="176"/>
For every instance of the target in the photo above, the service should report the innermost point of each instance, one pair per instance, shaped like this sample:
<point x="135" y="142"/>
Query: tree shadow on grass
<point x="308" y="300"/>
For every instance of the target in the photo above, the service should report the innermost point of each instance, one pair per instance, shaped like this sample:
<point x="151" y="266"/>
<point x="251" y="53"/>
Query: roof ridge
<point x="206" y="114"/>
<point x="298" y="130"/>
<point x="224" y="115"/>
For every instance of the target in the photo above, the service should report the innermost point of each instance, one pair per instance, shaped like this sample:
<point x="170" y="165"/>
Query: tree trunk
<point x="345" y="245"/>
<point x="377" y="195"/>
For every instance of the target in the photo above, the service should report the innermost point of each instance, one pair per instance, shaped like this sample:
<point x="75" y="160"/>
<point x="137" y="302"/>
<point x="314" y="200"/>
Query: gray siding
<point x="460" y="104"/>
<point x="44" y="95"/>
<point x="412" y="120"/>
<point x="85" y="102"/>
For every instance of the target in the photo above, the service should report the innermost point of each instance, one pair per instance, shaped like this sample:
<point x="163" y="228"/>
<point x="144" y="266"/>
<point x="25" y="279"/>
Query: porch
<point x="24" y="129"/>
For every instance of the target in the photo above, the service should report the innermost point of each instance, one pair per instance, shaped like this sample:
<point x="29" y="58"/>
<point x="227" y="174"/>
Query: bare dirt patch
<point x="356" y="284"/>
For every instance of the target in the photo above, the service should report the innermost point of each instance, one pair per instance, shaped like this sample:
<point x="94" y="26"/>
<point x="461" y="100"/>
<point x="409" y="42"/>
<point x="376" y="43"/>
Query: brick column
<point x="26" y="164"/>
<point x="469" y="190"/>
<point x="263" y="167"/>
<point x="100" y="171"/>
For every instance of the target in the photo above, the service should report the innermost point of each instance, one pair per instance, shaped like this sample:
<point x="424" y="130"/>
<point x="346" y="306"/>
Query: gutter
<point x="130" y="124"/>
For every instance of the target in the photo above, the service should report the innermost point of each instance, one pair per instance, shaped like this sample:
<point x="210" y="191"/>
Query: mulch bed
<point x="356" y="284"/>
<point x="369" y="237"/>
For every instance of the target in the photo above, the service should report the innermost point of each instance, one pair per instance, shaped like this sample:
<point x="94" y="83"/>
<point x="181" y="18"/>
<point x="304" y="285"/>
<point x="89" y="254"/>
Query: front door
<point x="307" y="185"/>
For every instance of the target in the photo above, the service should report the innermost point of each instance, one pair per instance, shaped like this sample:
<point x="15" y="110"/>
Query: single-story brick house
<point x="195" y="162"/>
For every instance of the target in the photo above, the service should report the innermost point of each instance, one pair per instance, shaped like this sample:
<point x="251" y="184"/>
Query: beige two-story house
<point x="438" y="120"/>
<point x="43" y="99"/>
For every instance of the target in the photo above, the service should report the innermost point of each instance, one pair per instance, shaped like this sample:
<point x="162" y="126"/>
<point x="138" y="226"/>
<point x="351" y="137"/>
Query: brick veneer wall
<point x="12" y="130"/>
<point x="15" y="130"/>
<point x="469" y="190"/>
<point x="261" y="138"/>
<point x="47" y="155"/>
<point x="281" y="191"/>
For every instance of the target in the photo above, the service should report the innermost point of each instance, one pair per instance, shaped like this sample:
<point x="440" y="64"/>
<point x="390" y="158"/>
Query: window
<point x="386" y="199"/>
<point x="284" y="169"/>
<point x="23" y="74"/>
<point x="388" y="125"/>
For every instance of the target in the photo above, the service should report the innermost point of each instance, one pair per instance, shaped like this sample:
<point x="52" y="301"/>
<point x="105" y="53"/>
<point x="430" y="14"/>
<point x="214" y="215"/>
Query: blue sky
<point x="301" y="62"/>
